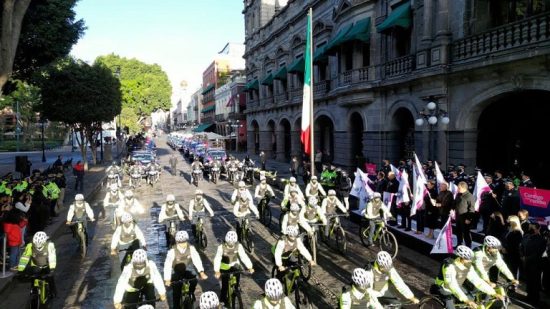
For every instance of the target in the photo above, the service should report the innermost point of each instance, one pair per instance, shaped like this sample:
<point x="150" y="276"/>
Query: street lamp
<point x="42" y="125"/>
<point x="117" y="75"/>
<point x="432" y="114"/>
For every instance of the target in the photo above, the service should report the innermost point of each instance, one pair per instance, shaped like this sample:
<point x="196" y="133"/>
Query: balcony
<point x="266" y="102"/>
<point x="281" y="98"/>
<point x="399" y="66"/>
<point x="251" y="105"/>
<point x="297" y="95"/>
<point x="321" y="88"/>
<point x="356" y="76"/>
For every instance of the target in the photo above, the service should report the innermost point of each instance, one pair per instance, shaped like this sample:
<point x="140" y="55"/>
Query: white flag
<point x="480" y="188"/>
<point x="453" y="188"/>
<point x="444" y="241"/>
<point x="404" y="188"/>
<point x="439" y="176"/>
<point x="419" y="191"/>
<point x="396" y="171"/>
<point x="420" y="171"/>
<point x="361" y="189"/>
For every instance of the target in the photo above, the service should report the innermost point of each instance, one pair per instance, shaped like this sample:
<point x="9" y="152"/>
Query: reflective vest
<point x="313" y="189"/>
<point x="182" y="257"/>
<point x="229" y="256"/>
<point x="170" y="211"/>
<point x="128" y="236"/>
<point x="134" y="276"/>
<point x="266" y="304"/>
<point x="331" y="205"/>
<point x="80" y="211"/>
<point x="199" y="205"/>
<point x="292" y="220"/>
<point x="40" y="257"/>
<point x="243" y="204"/>
<point x="311" y="212"/>
<point x="263" y="189"/>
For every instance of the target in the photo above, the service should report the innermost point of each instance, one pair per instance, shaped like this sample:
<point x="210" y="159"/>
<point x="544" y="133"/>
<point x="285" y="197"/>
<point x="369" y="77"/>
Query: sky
<point x="182" y="36"/>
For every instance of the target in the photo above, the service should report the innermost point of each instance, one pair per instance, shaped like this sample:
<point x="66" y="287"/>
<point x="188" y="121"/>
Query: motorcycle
<point x="215" y="174"/>
<point x="196" y="175"/>
<point x="207" y="171"/>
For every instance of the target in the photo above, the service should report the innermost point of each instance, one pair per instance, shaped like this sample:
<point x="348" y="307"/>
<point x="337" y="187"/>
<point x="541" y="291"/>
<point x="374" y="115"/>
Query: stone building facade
<point x="378" y="63"/>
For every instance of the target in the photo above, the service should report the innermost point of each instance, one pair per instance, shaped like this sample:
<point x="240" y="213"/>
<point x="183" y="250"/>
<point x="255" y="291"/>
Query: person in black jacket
<point x="510" y="200"/>
<point x="432" y="212"/>
<point x="533" y="246"/>
<point x="392" y="187"/>
<point x="465" y="213"/>
<point x="344" y="186"/>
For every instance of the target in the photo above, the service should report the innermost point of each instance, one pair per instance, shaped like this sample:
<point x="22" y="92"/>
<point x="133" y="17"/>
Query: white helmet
<point x="464" y="252"/>
<point x="126" y="218"/>
<point x="242" y="184"/>
<point x="273" y="289"/>
<point x="114" y="187"/>
<point x="331" y="192"/>
<point x="312" y="200"/>
<point x="292" y="231"/>
<point x="146" y="307"/>
<point x="383" y="259"/>
<point x="128" y="194"/>
<point x="182" y="236"/>
<point x="262" y="178"/>
<point x="294" y="207"/>
<point x="39" y="239"/>
<point x="139" y="257"/>
<point x="313" y="177"/>
<point x="376" y="195"/>
<point x="231" y="237"/>
<point x="198" y="192"/>
<point x="170" y="198"/>
<point x="292" y="179"/>
<point x="362" y="278"/>
<point x="209" y="300"/>
<point x="491" y="242"/>
<point x="79" y="197"/>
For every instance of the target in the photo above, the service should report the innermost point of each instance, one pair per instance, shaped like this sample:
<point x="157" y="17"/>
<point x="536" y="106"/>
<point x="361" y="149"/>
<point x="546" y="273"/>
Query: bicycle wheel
<point x="248" y="241"/>
<point x="305" y="269"/>
<point x="388" y="243"/>
<point x="83" y="245"/>
<point x="267" y="215"/>
<point x="341" y="243"/>
<point x="364" y="235"/>
<point x="202" y="240"/>
<point x="237" y="301"/>
<point x="431" y="302"/>
<point x="34" y="300"/>
<point x="301" y="297"/>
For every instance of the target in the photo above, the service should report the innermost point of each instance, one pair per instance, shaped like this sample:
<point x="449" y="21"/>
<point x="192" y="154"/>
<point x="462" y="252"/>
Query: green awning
<point x="297" y="66"/>
<point x="281" y="74"/>
<point x="320" y="54"/>
<point x="202" y="127"/>
<point x="268" y="80"/>
<point x="400" y="17"/>
<point x="252" y="85"/>
<point x="208" y="88"/>
<point x="208" y="109"/>
<point x="359" y="32"/>
<point x="337" y="40"/>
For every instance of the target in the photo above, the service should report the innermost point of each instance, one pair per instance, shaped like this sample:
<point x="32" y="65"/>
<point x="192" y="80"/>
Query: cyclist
<point x="361" y="294"/>
<point x="274" y="297"/>
<point x="130" y="205"/>
<point x="196" y="165"/>
<point x="384" y="273"/>
<point x="314" y="188"/>
<point x="114" y="167"/>
<point x="263" y="190"/>
<point x="486" y="257"/>
<point x="293" y="197"/>
<point x="170" y="211"/>
<point x="243" y="204"/>
<point x="452" y="275"/>
<point x="328" y="206"/>
<point x="287" y="248"/>
<point x="312" y="213"/>
<point x="229" y="257"/>
<point x="198" y="205"/>
<point x="241" y="192"/>
<point x="178" y="266"/>
<point x="209" y="300"/>
<point x="288" y="188"/>
<point x="375" y="210"/>
<point x="113" y="196"/>
<point x="79" y="210"/>
<point x="42" y="257"/>
<point x="127" y="236"/>
<point x="141" y="277"/>
<point x="294" y="218"/>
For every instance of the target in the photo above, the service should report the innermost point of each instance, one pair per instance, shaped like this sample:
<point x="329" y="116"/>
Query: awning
<point x="320" y="54"/>
<point x="252" y="85"/>
<point x="359" y="32"/>
<point x="208" y="88"/>
<point x="281" y="74"/>
<point x="298" y="66"/>
<point x="208" y="109"/>
<point x="202" y="127"/>
<point x="268" y="80"/>
<point x="337" y="40"/>
<point x="400" y="17"/>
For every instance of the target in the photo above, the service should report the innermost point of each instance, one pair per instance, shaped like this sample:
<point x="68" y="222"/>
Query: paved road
<point x="90" y="282"/>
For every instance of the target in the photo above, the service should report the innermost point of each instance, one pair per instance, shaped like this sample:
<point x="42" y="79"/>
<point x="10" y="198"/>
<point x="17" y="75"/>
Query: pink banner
<point x="370" y="168"/>
<point x="536" y="201"/>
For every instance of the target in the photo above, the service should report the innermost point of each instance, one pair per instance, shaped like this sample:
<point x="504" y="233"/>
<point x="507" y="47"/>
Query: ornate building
<point x="377" y="64"/>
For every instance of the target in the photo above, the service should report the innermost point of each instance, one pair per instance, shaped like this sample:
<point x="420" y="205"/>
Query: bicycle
<point x="311" y="244"/>
<point x="127" y="259"/>
<point x="82" y="236"/>
<point x="265" y="210"/>
<point x="382" y="236"/>
<point x="196" y="176"/>
<point x="200" y="236"/>
<point x="234" y="297"/>
<point x="171" y="231"/>
<point x="139" y="303"/>
<point x="484" y="301"/>
<point x="294" y="282"/>
<point x="337" y="232"/>
<point x="245" y="234"/>
<point x="39" y="293"/>
<point x="187" y="299"/>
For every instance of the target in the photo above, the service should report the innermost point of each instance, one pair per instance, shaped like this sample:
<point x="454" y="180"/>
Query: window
<point x="365" y="52"/>
<point x="347" y="53"/>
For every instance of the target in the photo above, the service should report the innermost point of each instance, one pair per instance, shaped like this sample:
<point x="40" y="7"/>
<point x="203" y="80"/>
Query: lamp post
<point x="119" y="133"/>
<point x="101" y="138"/>
<point x="433" y="115"/>
<point x="43" y="124"/>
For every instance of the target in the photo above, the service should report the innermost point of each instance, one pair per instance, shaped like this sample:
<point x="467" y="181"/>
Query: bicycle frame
<point x="291" y="278"/>
<point x="41" y="286"/>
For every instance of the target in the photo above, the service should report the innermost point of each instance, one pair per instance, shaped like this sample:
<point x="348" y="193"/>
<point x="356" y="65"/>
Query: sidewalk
<point x="93" y="180"/>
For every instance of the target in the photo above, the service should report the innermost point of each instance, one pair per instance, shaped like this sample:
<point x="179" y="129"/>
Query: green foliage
<point x="145" y="87"/>
<point x="49" y="31"/>
<point x="130" y="119"/>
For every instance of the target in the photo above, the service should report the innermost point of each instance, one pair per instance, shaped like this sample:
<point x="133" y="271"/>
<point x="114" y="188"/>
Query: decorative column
<point x="428" y="18"/>
<point x="443" y="34"/>
<point x="250" y="142"/>
<point x="295" y="144"/>
<point x="280" y="151"/>
<point x="266" y="143"/>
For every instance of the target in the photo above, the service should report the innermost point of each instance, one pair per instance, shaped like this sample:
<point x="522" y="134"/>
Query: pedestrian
<point x="532" y="248"/>
<point x="390" y="198"/>
<point x="465" y="209"/>
<point x="523" y="216"/>
<point x="344" y="187"/>
<point x="263" y="160"/>
<point x="510" y="199"/>
<point x="61" y="183"/>
<point x="306" y="171"/>
<point x="445" y="202"/>
<point x="58" y="164"/>
<point x="432" y="212"/>
<point x="12" y="228"/>
<point x="173" y="164"/>
<point x="488" y="204"/>
<point x="78" y="171"/>
<point x="318" y="161"/>
<point x="526" y="181"/>
<point x="294" y="166"/>
<point x="512" y="241"/>
<point x="496" y="226"/>
<point x="23" y="205"/>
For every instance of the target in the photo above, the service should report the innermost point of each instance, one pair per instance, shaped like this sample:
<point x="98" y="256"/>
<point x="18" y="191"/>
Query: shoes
<point x="408" y="229"/>
<point x="430" y="236"/>
<point x="401" y="227"/>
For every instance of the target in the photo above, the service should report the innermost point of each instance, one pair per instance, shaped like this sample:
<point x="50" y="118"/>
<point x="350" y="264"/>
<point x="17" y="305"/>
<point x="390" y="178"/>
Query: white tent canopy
<point x="210" y="136"/>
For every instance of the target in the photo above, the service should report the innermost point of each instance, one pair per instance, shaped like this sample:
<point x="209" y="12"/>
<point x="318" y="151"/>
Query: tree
<point x="82" y="96"/>
<point x="49" y="31"/>
<point x="13" y="12"/>
<point x="145" y="88"/>
<point x="28" y="97"/>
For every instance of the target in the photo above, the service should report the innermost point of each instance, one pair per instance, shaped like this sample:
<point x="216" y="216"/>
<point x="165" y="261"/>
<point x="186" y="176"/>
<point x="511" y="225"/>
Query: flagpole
<point x="312" y="124"/>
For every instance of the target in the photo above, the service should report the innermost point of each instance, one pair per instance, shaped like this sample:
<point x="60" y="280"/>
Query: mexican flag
<point x="307" y="107"/>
